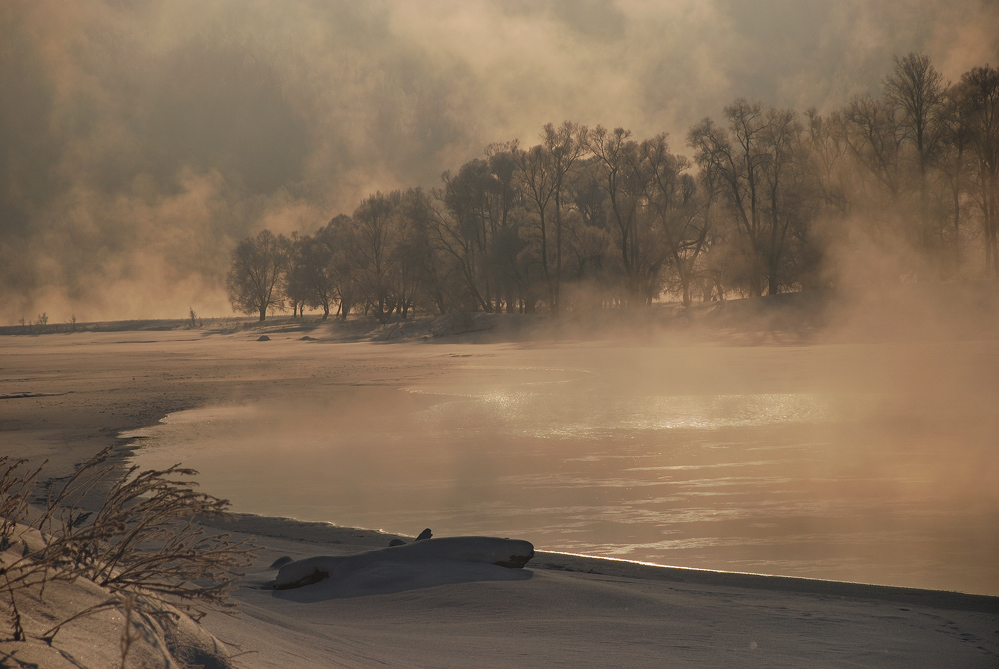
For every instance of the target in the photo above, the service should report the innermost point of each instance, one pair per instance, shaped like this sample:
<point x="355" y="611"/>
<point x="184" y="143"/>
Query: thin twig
<point x="144" y="538"/>
<point x="126" y="632"/>
<point x="50" y="633"/>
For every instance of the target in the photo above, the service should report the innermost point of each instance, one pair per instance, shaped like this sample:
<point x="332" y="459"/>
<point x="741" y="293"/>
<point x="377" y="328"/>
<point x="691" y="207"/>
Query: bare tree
<point x="318" y="272"/>
<point x="463" y="226"/>
<point x="502" y="160"/>
<point x="544" y="173"/>
<point x="757" y="161"/>
<point x="872" y="132"/>
<point x="257" y="266"/>
<point x="538" y="183"/>
<point x="624" y="179"/>
<point x="956" y="149"/>
<point x="375" y="237"/>
<point x="982" y="90"/>
<point x="412" y="252"/>
<point x="832" y="175"/>
<point x="782" y="174"/>
<point x="683" y="222"/>
<point x="565" y="145"/>
<point x="296" y="286"/>
<point x="916" y="89"/>
<point x="739" y="164"/>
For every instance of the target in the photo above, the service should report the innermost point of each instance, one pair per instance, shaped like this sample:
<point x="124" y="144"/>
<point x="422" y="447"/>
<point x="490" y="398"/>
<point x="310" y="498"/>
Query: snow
<point x="421" y="564"/>
<point x="162" y="637"/>
<point x="480" y="550"/>
<point x="443" y="610"/>
<point x="418" y="605"/>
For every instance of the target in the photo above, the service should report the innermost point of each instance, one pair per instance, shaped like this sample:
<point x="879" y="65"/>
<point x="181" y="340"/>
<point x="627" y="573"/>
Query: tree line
<point x="596" y="217"/>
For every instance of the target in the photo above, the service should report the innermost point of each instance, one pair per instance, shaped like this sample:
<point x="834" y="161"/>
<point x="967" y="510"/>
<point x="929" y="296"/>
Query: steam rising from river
<point x="863" y="462"/>
<point x="138" y="140"/>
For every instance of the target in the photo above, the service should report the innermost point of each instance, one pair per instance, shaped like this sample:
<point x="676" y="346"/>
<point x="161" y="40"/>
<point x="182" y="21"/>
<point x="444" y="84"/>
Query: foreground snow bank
<point x="77" y="623"/>
<point x="567" y="610"/>
<point x="409" y="561"/>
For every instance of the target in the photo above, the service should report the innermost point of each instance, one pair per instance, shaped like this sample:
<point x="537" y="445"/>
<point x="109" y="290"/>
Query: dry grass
<point x="144" y="538"/>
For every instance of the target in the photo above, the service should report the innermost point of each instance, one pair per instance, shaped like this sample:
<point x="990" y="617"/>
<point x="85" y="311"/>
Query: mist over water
<point x="139" y="141"/>
<point x="142" y="142"/>
<point x="873" y="463"/>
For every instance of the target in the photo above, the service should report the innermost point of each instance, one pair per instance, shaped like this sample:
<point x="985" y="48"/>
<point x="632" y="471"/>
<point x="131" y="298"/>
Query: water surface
<point x="861" y="463"/>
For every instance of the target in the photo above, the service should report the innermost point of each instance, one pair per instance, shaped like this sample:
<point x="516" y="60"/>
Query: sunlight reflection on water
<point x="828" y="485"/>
<point x="533" y="414"/>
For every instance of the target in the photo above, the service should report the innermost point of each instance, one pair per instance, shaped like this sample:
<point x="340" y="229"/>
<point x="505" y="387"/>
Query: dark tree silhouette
<point x="257" y="266"/>
<point x="956" y="149"/>
<point x="624" y="178"/>
<point x="982" y="90"/>
<point x="374" y="230"/>
<point x="683" y="222"/>
<point x="916" y="90"/>
<point x="598" y="218"/>
<point x="295" y="286"/>
<point x="565" y="146"/>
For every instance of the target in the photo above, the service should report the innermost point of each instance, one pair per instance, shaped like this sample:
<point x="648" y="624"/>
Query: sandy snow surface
<point x="572" y="611"/>
<point x="80" y="624"/>
<point x="64" y="396"/>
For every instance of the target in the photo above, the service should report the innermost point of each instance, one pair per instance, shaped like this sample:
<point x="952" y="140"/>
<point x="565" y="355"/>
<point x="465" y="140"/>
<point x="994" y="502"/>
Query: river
<point x="862" y="462"/>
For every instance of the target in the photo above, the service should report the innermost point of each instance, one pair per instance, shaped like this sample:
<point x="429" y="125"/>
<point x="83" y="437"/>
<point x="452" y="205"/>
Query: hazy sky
<point x="139" y="138"/>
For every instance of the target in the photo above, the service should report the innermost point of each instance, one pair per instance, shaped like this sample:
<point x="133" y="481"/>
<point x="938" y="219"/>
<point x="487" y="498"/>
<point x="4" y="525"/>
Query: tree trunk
<point x="558" y="255"/>
<point x="957" y="227"/>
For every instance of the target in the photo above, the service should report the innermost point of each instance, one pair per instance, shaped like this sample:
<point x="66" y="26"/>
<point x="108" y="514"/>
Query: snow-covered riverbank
<point x="65" y="396"/>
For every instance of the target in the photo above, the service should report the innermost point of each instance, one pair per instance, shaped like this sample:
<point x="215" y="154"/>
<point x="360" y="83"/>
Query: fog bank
<point x="139" y="140"/>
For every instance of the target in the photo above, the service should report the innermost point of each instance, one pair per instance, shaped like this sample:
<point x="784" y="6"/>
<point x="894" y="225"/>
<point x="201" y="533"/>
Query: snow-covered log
<point x="510" y="553"/>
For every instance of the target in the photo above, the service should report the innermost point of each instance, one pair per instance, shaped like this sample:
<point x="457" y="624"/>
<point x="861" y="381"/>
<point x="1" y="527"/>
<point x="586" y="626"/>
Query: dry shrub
<point x="143" y="538"/>
<point x="15" y="484"/>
